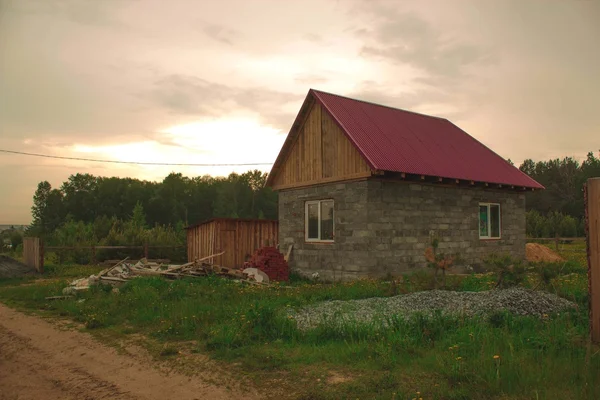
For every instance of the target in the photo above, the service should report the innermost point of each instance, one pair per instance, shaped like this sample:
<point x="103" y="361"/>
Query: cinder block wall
<point x="384" y="227"/>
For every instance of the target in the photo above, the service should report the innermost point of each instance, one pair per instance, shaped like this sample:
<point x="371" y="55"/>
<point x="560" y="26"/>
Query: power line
<point x="130" y="162"/>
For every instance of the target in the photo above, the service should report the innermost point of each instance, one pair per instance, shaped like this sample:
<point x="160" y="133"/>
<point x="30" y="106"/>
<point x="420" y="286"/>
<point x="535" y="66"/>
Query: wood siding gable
<point x="320" y="153"/>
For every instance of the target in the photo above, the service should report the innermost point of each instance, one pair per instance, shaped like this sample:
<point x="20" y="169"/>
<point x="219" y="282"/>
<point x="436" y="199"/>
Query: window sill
<point x="319" y="241"/>
<point x="490" y="239"/>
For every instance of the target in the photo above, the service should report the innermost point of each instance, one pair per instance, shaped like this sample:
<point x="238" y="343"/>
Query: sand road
<point x="40" y="361"/>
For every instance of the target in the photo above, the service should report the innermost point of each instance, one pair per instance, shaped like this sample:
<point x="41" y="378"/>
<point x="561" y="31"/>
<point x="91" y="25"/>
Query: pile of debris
<point x="270" y="261"/>
<point x="125" y="270"/>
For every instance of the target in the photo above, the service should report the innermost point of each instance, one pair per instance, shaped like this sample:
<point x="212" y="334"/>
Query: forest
<point x="104" y="211"/>
<point x="87" y="209"/>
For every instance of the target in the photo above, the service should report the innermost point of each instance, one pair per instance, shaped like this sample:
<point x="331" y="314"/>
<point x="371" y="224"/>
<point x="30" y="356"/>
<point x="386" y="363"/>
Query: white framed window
<point x="319" y="221"/>
<point x="489" y="221"/>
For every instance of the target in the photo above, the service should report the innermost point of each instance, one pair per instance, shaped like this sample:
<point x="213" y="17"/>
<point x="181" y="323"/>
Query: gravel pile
<point x="11" y="268"/>
<point x="515" y="300"/>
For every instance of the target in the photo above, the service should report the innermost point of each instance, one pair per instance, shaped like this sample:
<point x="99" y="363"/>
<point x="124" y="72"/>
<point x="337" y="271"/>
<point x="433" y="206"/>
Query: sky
<point x="214" y="82"/>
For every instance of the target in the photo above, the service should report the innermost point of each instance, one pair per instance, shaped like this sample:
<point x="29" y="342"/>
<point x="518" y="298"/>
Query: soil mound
<point x="535" y="252"/>
<point x="11" y="268"/>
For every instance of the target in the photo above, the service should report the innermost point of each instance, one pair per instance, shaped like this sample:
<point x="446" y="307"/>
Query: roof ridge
<point x="378" y="104"/>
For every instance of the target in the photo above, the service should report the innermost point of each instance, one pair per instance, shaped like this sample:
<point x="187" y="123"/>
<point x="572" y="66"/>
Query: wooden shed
<point x="238" y="238"/>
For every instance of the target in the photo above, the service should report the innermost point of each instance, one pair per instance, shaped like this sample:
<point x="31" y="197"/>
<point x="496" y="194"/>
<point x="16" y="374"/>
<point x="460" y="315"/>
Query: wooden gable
<point x="320" y="152"/>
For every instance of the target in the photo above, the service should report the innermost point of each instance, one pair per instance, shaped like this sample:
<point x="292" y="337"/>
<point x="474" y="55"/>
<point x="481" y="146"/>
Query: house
<point x="363" y="189"/>
<point x="238" y="238"/>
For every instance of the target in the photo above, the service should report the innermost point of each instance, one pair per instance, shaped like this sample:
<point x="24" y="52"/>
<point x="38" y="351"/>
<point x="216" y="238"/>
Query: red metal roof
<point x="395" y="140"/>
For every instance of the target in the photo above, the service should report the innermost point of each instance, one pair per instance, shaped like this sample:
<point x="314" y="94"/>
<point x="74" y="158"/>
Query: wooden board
<point x="321" y="153"/>
<point x="33" y="253"/>
<point x="238" y="238"/>
<point x="593" y="220"/>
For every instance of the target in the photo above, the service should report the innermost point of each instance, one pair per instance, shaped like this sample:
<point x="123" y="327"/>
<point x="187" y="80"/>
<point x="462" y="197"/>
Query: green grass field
<point x="497" y="357"/>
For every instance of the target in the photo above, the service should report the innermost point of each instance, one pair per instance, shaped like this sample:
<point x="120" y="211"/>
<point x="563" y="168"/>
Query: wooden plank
<point x="359" y="175"/>
<point x="289" y="252"/>
<point x="106" y="271"/>
<point x="33" y="253"/>
<point x="593" y="246"/>
<point x="320" y="151"/>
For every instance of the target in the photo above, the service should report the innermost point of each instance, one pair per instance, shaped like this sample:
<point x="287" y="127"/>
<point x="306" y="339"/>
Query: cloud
<point x="313" y="37"/>
<point x="190" y="95"/>
<point x="220" y="33"/>
<point x="102" y="13"/>
<point x="310" y="79"/>
<point x="404" y="37"/>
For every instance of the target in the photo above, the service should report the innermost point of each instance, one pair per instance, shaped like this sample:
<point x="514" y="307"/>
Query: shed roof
<point x="395" y="140"/>
<point x="231" y="220"/>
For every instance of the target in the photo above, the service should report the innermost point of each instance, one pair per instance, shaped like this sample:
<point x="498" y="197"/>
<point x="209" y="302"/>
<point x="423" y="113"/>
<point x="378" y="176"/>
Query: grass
<point x="438" y="357"/>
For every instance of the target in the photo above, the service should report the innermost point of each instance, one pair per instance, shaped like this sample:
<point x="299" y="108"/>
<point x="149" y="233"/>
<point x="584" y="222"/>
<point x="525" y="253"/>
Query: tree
<point x="47" y="210"/>
<point x="80" y="196"/>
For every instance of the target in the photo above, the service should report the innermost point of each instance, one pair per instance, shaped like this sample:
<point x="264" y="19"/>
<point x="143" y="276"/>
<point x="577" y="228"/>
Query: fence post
<point x="556" y="241"/>
<point x="41" y="255"/>
<point x="592" y="225"/>
<point x="146" y="250"/>
<point x="93" y="255"/>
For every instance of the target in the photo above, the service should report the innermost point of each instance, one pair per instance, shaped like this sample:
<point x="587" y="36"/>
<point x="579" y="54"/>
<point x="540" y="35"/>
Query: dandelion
<point x="458" y="358"/>
<point x="497" y="358"/>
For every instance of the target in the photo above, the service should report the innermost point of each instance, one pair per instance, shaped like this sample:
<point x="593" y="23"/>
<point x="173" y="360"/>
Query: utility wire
<point x="130" y="162"/>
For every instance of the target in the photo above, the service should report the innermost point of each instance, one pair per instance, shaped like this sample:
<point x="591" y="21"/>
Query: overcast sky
<point x="221" y="81"/>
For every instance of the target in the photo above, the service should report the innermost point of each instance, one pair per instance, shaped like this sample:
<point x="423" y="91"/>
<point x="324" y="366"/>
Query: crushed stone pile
<point x="535" y="252"/>
<point x="514" y="300"/>
<point x="11" y="268"/>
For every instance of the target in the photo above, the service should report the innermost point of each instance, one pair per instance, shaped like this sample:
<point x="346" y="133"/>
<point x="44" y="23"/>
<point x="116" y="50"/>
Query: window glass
<point x="483" y="221"/>
<point x="495" y="220"/>
<point x="327" y="220"/>
<point x="313" y="221"/>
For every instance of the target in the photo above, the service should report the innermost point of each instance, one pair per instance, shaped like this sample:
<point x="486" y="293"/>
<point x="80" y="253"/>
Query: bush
<point x="508" y="272"/>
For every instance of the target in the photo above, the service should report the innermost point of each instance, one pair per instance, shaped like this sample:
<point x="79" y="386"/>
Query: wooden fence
<point x="33" y="253"/>
<point x="144" y="249"/>
<point x="557" y="241"/>
<point x="592" y="224"/>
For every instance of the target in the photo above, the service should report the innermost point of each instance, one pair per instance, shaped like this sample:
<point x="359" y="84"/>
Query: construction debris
<point x="110" y="263"/>
<point x="124" y="270"/>
<point x="58" y="297"/>
<point x="270" y="261"/>
<point x="257" y="275"/>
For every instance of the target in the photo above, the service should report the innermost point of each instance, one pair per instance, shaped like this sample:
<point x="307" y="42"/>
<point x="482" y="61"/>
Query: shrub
<point x="438" y="261"/>
<point x="509" y="272"/>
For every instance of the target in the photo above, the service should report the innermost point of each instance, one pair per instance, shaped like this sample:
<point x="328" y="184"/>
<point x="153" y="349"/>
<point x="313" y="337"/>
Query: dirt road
<point x="40" y="361"/>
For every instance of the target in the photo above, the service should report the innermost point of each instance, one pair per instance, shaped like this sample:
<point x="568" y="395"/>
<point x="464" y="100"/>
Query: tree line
<point x="127" y="211"/>
<point x="559" y="209"/>
<point x="88" y="209"/>
<point x="175" y="200"/>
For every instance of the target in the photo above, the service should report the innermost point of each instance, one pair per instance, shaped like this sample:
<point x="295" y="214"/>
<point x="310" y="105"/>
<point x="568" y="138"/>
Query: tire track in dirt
<point x="39" y="361"/>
